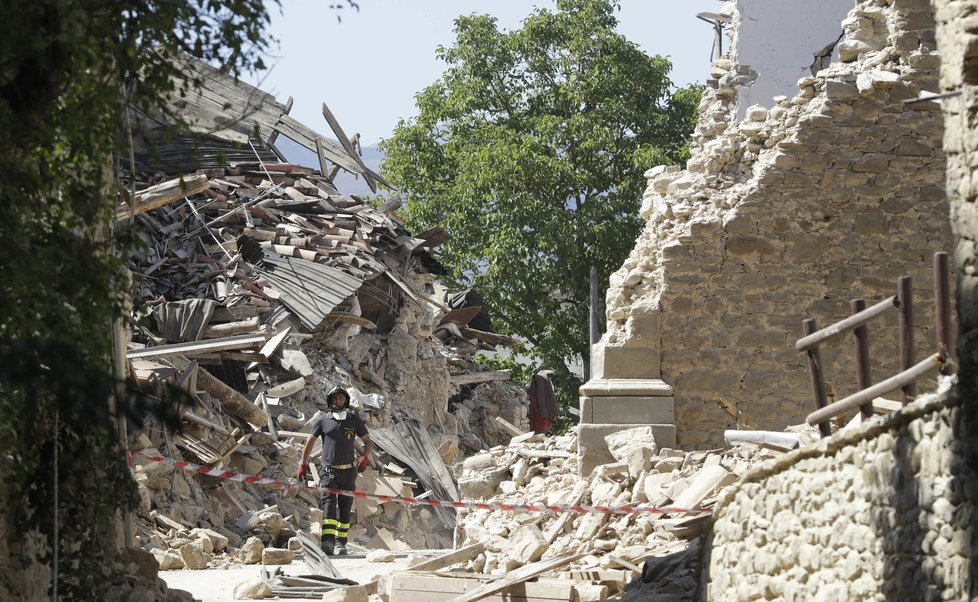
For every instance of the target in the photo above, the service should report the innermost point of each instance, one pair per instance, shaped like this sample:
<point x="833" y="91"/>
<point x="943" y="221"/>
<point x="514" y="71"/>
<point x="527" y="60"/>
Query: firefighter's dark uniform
<point x="337" y="471"/>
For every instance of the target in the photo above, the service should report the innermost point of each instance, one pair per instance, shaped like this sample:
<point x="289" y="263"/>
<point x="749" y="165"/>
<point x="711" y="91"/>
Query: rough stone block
<point x="625" y="362"/>
<point x="636" y="410"/>
<point x="592" y="449"/>
<point x="252" y="589"/>
<point x="840" y="90"/>
<point x="277" y="556"/>
<point x="250" y="552"/>
<point x="354" y="593"/>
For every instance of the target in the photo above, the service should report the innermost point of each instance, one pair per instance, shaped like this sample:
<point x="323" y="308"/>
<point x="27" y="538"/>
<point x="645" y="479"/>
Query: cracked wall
<point x="829" y="195"/>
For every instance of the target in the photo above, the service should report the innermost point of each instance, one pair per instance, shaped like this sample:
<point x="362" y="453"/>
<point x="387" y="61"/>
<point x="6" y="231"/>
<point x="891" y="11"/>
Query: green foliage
<point x="521" y="372"/>
<point x="66" y="70"/>
<point x="530" y="150"/>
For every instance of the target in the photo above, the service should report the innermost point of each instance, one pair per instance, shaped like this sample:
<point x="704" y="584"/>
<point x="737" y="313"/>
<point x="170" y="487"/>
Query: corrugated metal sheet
<point x="184" y="321"/>
<point x="409" y="442"/>
<point x="309" y="290"/>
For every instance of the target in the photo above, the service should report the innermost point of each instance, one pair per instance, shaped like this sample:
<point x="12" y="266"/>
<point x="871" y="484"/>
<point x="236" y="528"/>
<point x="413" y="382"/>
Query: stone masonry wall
<point x="827" y="196"/>
<point x="881" y="512"/>
<point x="957" y="38"/>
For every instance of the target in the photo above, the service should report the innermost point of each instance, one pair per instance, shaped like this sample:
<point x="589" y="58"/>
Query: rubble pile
<point x="536" y="469"/>
<point x="257" y="289"/>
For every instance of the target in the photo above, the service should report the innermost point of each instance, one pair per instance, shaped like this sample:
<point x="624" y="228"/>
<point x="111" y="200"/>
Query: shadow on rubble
<point x="672" y="578"/>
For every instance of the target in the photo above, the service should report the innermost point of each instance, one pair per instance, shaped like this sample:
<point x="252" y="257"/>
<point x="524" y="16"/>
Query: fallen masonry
<point x="257" y="288"/>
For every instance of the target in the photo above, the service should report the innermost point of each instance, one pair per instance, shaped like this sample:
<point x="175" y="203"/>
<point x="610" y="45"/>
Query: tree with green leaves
<point x="69" y="70"/>
<point x="530" y="150"/>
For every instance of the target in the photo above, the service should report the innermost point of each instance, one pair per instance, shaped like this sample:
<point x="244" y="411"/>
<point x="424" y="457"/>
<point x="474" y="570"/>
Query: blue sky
<point x="369" y="67"/>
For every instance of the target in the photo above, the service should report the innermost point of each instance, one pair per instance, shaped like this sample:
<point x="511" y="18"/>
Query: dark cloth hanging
<point x="543" y="403"/>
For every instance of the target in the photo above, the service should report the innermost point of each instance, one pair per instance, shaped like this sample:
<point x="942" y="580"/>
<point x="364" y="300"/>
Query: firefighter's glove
<point x="302" y="472"/>
<point x="362" y="463"/>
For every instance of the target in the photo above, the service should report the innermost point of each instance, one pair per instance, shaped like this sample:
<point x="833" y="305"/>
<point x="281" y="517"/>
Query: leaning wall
<point x="829" y="195"/>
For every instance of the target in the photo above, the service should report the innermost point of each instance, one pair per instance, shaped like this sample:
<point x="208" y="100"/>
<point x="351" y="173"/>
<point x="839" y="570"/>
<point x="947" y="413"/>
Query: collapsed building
<point x="784" y="212"/>
<point x="257" y="287"/>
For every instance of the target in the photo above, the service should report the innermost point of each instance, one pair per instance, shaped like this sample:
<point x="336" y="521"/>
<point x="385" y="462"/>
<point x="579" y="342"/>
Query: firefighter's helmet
<point x="333" y="393"/>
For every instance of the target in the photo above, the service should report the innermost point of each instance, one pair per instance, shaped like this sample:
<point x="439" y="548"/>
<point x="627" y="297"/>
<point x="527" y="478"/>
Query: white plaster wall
<point x="778" y="38"/>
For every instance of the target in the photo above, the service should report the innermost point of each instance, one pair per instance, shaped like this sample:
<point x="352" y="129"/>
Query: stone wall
<point x="957" y="35"/>
<point x="881" y="512"/>
<point x="827" y="196"/>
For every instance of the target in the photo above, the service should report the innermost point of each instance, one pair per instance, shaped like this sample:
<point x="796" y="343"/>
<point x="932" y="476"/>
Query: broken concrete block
<point x="144" y="562"/>
<point x="296" y="361"/>
<point x="265" y="524"/>
<point x="277" y="556"/>
<point x="194" y="557"/>
<point x="482" y="485"/>
<point x="354" y="593"/>
<point x="706" y="481"/>
<point x="635" y="447"/>
<point x="604" y="492"/>
<point x="252" y="589"/>
<point x="527" y="544"/>
<point x="157" y="473"/>
<point x="168" y="559"/>
<point x="250" y="552"/>
<point x="219" y="542"/>
<point x="380" y="556"/>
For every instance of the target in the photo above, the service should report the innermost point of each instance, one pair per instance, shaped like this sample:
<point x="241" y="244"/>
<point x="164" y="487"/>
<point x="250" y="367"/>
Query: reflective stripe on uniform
<point x="330" y="526"/>
<point x="342" y="529"/>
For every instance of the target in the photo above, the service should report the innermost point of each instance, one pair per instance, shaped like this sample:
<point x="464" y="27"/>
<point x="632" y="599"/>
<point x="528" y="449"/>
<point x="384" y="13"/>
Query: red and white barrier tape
<point x="558" y="508"/>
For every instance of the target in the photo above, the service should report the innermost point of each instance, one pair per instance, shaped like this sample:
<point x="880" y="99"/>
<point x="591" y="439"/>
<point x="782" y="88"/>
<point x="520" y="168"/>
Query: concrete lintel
<point x="592" y="450"/>
<point x="626" y="387"/>
<point x="632" y="409"/>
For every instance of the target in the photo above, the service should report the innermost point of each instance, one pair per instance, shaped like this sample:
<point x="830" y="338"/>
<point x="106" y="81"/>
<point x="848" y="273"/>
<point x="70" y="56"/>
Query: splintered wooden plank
<point x="334" y="125"/>
<point x="161" y="194"/>
<point x="430" y="587"/>
<point x="307" y="137"/>
<point x="508" y="426"/>
<point x="455" y="557"/>
<point x="471" y="378"/>
<point x="524" y="573"/>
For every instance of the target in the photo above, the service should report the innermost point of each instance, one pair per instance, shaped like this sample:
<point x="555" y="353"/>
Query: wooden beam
<point x="368" y="175"/>
<point x="428" y="587"/>
<point x="852" y="322"/>
<point x="233" y="401"/>
<point x="471" y="378"/>
<point x="508" y="426"/>
<point x="334" y="125"/>
<point x="524" y="573"/>
<point x="248" y="325"/>
<point x="164" y="193"/>
<point x="894" y="382"/>
<point x="192" y="348"/>
<point x="454" y="557"/>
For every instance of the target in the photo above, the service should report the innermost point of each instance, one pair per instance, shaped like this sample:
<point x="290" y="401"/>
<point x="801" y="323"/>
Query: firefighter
<point x="337" y="429"/>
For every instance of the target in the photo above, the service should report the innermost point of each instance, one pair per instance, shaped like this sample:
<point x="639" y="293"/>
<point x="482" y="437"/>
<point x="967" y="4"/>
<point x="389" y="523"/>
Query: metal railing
<point x="857" y="323"/>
